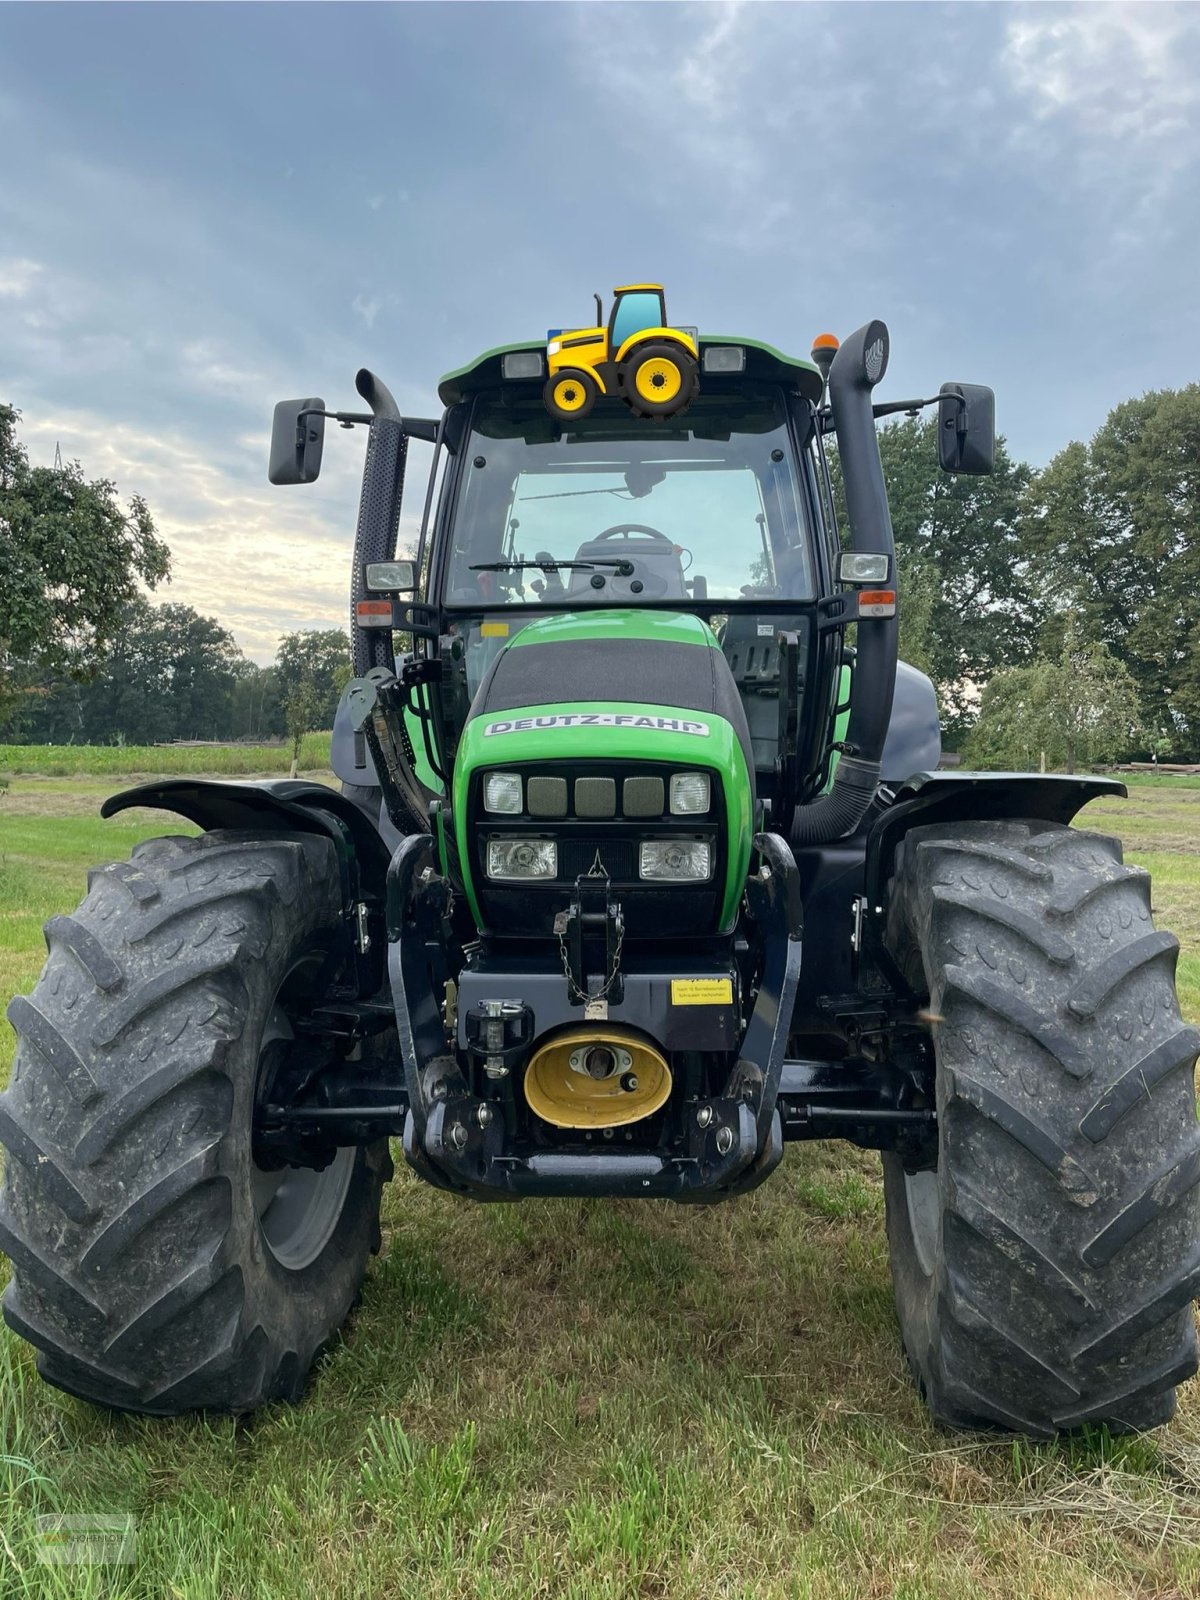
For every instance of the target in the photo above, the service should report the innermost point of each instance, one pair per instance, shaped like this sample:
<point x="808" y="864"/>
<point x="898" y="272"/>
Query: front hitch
<point x="457" y="1139"/>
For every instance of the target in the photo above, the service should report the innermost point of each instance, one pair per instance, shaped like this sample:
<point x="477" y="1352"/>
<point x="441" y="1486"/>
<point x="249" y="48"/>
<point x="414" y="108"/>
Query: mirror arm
<point x="346" y="418"/>
<point x="889" y="408"/>
<point x="415" y="427"/>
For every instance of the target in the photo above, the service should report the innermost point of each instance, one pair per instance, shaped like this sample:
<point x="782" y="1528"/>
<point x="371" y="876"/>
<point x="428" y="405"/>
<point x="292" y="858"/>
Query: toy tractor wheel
<point x="160" y="1261"/>
<point x="1044" y="1270"/>
<point x="659" y="380"/>
<point x="571" y="394"/>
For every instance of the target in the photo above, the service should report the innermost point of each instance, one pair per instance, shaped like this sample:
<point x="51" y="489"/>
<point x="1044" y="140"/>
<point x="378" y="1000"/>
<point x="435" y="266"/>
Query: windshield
<point x="706" y="506"/>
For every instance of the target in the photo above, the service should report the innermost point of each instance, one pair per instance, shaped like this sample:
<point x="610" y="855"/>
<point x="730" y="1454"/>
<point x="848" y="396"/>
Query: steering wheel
<point x="652" y="535"/>
<point x="624" y="529"/>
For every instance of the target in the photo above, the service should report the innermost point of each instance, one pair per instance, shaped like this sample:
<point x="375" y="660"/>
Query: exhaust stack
<point x="856" y="368"/>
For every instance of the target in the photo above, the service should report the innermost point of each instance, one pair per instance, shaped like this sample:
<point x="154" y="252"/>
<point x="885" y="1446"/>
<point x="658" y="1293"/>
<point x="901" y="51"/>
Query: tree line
<point x="170" y="673"/>
<point x="86" y="658"/>
<point x="1056" y="611"/>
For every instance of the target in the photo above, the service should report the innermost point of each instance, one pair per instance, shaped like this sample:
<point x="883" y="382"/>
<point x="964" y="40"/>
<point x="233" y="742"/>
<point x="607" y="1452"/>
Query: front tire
<point x="1044" y="1272"/>
<point x="155" y="1266"/>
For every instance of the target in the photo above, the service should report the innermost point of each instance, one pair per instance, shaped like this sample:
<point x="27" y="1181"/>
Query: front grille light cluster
<point x="642" y="796"/>
<point x="660" y="801"/>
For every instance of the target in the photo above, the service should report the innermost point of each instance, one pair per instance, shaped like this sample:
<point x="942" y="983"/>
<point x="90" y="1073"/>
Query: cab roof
<point x="763" y="363"/>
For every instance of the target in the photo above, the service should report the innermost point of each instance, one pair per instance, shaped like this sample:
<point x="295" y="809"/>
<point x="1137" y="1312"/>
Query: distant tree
<point x="320" y="660"/>
<point x="256" y="710"/>
<point x="1117" y="527"/>
<point x="71" y="560"/>
<point x="169" y="674"/>
<point x="1076" y="707"/>
<point x="970" y="600"/>
<point x="302" y="711"/>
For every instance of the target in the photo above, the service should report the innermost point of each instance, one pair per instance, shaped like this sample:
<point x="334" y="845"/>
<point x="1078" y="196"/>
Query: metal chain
<point x="574" y="992"/>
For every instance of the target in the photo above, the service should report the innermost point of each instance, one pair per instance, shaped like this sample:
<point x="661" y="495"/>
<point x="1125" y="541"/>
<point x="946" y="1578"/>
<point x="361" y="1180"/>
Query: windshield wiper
<point x="624" y="569"/>
<point x="573" y="494"/>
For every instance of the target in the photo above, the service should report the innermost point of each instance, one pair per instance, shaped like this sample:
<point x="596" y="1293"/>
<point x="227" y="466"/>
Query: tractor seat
<point x="656" y="565"/>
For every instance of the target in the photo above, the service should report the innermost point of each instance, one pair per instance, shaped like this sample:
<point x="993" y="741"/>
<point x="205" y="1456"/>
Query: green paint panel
<point x="841" y="723"/>
<point x="666" y="627"/>
<point x="421" y="762"/>
<point x="763" y="362"/>
<point x="719" y="751"/>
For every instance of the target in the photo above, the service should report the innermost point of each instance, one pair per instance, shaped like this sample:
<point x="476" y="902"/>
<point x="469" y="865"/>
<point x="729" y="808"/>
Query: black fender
<point x="928" y="797"/>
<point x="288" y="805"/>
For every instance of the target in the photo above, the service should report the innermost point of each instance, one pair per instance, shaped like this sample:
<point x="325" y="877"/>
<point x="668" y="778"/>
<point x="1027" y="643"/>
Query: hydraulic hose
<point x="857" y="367"/>
<point x="378" y="515"/>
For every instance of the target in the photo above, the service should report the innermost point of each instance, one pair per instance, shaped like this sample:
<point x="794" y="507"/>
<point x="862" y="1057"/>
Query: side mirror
<point x="966" y="428"/>
<point x="297" y="439"/>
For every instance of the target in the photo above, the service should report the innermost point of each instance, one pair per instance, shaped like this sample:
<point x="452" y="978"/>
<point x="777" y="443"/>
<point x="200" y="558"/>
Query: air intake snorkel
<point x="378" y="515"/>
<point x="857" y="367"/>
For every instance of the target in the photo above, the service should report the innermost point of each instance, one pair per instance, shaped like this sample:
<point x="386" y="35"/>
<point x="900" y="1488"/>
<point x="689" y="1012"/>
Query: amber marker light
<point x="824" y="348"/>
<point x="877" y="602"/>
<point x="373" y="613"/>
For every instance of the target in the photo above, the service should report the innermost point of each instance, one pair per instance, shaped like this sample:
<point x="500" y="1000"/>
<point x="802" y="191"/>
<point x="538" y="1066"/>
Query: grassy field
<point x="597" y="1399"/>
<point x="134" y="760"/>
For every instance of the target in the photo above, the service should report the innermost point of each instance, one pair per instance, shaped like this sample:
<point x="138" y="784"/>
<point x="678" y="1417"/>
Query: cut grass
<point x="595" y="1398"/>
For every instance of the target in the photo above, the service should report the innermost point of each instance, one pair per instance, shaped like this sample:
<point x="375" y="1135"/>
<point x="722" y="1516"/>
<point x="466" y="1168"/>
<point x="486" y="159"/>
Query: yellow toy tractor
<point x="654" y="368"/>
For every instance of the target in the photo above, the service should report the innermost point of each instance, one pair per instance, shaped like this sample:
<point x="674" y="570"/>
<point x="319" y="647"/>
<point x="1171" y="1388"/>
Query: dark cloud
<point x="206" y="208"/>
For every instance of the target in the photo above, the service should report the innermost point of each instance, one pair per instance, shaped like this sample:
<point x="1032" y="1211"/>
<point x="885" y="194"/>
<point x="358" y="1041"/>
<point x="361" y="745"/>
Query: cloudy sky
<point x="206" y="208"/>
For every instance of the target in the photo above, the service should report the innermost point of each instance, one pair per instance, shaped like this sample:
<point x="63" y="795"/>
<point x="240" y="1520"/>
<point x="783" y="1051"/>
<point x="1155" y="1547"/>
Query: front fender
<point x="281" y="805"/>
<point x="928" y="797"/>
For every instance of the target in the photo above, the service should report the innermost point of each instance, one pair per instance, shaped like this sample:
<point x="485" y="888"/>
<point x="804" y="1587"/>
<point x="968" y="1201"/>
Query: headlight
<point x="502" y="792"/>
<point x="554" y="347"/>
<point x="677" y="860"/>
<point x="522" y="858"/>
<point x="691" y="792"/>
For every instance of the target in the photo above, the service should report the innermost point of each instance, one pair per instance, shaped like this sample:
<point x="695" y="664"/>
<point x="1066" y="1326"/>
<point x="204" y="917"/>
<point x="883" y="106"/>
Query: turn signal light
<point x="877" y="602"/>
<point x="373" y="613"/>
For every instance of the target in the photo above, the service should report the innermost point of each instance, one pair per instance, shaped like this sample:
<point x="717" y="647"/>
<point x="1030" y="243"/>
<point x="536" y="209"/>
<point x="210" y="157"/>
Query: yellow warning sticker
<point x="493" y="630"/>
<point x="701" y="991"/>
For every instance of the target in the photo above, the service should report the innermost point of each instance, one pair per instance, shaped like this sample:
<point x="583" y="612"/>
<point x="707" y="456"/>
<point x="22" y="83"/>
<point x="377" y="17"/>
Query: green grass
<point x="66" y="760"/>
<point x="597" y="1398"/>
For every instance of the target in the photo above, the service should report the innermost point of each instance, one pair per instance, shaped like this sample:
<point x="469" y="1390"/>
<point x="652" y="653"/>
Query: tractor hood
<point x="634" y="687"/>
<point x="608" y="684"/>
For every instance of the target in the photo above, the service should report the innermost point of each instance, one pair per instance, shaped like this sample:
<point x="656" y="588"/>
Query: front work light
<point x="856" y="567"/>
<point x="502" y="792"/>
<point x="691" y="793"/>
<point x="675" y="860"/>
<point x="724" y="358"/>
<point x="390" y="577"/>
<point x="517" y="859"/>
<point x="522" y="364"/>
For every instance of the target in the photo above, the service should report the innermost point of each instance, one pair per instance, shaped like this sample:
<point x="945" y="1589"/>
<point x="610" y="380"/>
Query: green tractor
<point x="641" y="867"/>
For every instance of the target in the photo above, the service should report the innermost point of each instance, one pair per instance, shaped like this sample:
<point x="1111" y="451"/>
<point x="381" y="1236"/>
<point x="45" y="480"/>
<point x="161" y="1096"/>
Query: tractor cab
<point x="722" y="512"/>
